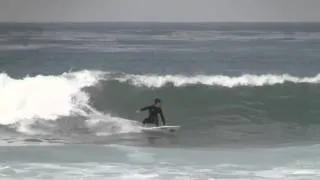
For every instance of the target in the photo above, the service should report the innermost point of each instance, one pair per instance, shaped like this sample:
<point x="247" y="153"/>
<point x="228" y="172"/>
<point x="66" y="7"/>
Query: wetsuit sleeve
<point x="162" y="117"/>
<point x="145" y="108"/>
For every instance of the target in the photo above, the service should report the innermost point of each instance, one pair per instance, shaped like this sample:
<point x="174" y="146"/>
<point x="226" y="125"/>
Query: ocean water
<point x="246" y="96"/>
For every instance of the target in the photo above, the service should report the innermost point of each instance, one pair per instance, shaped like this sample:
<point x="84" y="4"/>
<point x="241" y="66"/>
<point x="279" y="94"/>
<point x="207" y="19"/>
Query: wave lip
<point x="158" y="81"/>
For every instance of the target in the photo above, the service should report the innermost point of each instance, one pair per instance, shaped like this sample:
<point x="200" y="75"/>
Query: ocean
<point x="246" y="96"/>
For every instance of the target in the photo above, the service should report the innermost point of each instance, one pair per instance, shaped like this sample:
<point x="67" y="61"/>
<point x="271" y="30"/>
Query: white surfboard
<point x="161" y="129"/>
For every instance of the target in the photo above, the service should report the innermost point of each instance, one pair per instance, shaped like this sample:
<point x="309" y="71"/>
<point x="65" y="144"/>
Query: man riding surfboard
<point x="154" y="111"/>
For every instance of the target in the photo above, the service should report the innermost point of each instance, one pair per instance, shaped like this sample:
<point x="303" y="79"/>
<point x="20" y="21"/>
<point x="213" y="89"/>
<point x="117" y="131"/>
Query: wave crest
<point x="157" y="81"/>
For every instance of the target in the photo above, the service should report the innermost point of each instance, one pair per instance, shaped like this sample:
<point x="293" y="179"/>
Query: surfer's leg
<point x="146" y="121"/>
<point x="156" y="122"/>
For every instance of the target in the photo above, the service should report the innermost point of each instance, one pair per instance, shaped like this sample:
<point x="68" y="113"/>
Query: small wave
<point x="247" y="35"/>
<point x="157" y="81"/>
<point x="15" y="47"/>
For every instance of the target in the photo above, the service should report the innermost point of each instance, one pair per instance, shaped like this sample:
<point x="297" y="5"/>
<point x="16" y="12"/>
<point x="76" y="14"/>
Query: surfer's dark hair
<point x="157" y="100"/>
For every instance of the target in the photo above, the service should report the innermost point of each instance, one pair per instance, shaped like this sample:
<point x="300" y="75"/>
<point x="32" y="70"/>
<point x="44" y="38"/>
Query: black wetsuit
<point x="153" y="115"/>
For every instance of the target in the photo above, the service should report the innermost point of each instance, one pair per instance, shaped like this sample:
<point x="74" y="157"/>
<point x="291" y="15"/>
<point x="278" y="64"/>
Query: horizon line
<point x="167" y="22"/>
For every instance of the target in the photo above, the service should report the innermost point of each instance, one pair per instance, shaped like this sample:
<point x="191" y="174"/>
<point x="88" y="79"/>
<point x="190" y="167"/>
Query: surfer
<point x="154" y="111"/>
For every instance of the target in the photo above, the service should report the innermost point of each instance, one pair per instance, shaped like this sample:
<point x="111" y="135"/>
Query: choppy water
<point x="246" y="96"/>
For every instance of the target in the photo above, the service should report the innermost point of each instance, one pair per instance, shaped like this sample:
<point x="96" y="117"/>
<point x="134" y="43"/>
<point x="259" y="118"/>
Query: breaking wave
<point x="86" y="105"/>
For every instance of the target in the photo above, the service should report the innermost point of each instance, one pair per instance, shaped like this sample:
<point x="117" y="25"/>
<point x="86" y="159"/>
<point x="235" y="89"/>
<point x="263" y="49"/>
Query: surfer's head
<point x="157" y="102"/>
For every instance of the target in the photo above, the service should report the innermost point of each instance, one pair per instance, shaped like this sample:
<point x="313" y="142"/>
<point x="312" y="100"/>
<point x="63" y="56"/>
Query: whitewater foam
<point x="105" y="125"/>
<point x="43" y="97"/>
<point x="157" y="81"/>
<point x="24" y="101"/>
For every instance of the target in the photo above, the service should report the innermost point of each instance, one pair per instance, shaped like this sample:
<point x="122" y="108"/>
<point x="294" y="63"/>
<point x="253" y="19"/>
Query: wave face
<point x="247" y="93"/>
<point x="216" y="109"/>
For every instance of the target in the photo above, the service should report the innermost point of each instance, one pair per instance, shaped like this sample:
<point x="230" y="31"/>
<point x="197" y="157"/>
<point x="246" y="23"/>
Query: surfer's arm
<point x="145" y="108"/>
<point x="162" y="117"/>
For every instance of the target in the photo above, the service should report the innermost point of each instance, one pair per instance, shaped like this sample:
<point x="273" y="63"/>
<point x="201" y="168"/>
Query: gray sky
<point x="159" y="10"/>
